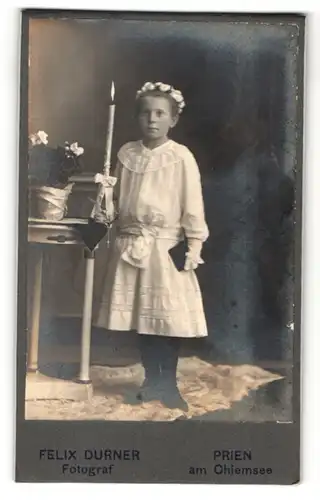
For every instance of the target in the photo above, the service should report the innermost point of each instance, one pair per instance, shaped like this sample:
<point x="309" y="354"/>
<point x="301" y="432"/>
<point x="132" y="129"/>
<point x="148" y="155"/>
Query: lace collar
<point x="157" y="149"/>
<point x="138" y="158"/>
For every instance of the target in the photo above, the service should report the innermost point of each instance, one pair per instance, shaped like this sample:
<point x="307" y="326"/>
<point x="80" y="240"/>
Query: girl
<point x="159" y="201"/>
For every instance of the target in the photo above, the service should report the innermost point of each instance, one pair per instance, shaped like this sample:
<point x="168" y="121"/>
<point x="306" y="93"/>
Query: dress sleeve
<point x="122" y="158"/>
<point x="193" y="215"/>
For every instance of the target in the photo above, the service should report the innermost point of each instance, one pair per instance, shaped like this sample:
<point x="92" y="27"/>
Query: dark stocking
<point x="151" y="364"/>
<point x="149" y="359"/>
<point x="169" y="360"/>
<point x="159" y="356"/>
<point x="171" y="396"/>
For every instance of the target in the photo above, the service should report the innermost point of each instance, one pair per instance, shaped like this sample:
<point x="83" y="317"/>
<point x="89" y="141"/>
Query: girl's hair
<point x="160" y="89"/>
<point x="157" y="93"/>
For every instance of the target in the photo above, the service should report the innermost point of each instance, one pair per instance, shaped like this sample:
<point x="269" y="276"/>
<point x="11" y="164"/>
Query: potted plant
<point x="50" y="170"/>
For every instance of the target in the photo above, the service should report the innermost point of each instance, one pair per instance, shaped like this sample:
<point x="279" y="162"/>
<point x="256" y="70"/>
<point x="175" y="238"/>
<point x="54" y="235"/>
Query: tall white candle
<point x="112" y="108"/>
<point x="106" y="182"/>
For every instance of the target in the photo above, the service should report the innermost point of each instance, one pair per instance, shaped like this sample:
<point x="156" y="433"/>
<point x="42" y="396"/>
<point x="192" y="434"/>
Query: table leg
<point x="84" y="376"/>
<point x="33" y="347"/>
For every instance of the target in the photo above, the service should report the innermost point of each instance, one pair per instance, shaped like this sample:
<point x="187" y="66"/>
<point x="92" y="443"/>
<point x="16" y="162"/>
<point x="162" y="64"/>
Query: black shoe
<point x="149" y="391"/>
<point x="173" y="399"/>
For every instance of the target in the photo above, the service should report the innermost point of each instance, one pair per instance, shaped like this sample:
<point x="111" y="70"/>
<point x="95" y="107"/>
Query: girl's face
<point x="155" y="118"/>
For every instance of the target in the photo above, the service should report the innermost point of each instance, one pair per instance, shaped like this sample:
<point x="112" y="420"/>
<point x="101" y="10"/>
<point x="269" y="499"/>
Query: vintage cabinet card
<point x="159" y="248"/>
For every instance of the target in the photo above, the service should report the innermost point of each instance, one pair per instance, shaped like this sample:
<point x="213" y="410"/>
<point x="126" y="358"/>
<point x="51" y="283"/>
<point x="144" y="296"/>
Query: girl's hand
<point x="193" y="256"/>
<point x="190" y="264"/>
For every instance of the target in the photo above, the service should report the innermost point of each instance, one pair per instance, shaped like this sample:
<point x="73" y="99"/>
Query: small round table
<point x="43" y="232"/>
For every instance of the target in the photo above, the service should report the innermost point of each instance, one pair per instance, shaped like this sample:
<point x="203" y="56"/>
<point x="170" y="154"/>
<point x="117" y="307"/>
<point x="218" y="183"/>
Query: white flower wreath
<point x="166" y="89"/>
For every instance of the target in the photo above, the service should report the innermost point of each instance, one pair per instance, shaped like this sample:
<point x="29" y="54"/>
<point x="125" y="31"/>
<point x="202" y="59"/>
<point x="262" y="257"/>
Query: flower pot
<point x="52" y="202"/>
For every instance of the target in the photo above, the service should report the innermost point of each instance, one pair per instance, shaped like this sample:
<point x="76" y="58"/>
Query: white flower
<point x="164" y="87"/>
<point x="43" y="137"/>
<point x="77" y="150"/>
<point x="39" y="138"/>
<point x="148" y="86"/>
<point x="33" y="139"/>
<point x="177" y="96"/>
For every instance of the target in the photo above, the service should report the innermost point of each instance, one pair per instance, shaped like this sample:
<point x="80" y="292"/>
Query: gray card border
<point x="167" y="450"/>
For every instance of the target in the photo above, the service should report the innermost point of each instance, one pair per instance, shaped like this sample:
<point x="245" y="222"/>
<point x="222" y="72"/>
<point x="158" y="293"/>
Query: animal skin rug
<point x="205" y="387"/>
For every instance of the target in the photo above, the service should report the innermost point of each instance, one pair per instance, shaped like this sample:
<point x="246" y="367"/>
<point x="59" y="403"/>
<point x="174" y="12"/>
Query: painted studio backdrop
<point x="239" y="123"/>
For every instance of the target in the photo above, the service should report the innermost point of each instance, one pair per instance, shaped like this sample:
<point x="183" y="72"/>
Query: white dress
<point x="159" y="197"/>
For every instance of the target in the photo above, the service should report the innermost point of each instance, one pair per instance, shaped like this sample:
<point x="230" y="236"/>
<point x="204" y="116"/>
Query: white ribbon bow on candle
<point x="107" y="184"/>
<point x="105" y="180"/>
